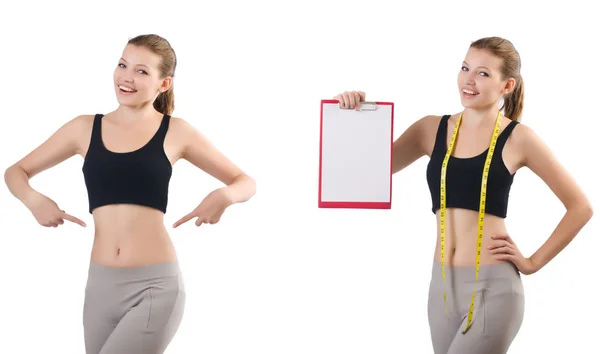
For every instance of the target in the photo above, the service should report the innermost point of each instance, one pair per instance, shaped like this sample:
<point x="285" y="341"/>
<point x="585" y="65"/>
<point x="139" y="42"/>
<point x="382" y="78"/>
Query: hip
<point x="112" y="291"/>
<point x="500" y="281"/>
<point x="489" y="276"/>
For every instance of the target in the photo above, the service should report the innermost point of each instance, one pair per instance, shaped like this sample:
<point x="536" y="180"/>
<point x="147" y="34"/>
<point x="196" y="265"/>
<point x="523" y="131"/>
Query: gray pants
<point x="133" y="310"/>
<point x="498" y="309"/>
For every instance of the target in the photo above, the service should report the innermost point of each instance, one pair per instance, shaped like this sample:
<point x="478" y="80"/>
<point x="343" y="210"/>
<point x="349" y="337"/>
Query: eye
<point x="464" y="68"/>
<point x="121" y="65"/>
<point x="143" y="72"/>
<point x="483" y="73"/>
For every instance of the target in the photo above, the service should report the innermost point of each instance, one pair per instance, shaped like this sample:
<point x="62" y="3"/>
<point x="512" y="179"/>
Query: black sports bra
<point x="463" y="176"/>
<point x="138" y="177"/>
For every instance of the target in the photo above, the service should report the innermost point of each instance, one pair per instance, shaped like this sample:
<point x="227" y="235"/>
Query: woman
<point x="476" y="298"/>
<point x="135" y="296"/>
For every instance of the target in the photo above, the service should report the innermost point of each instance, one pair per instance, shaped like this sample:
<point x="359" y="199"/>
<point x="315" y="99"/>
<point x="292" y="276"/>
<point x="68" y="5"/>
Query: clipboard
<point x="355" y="156"/>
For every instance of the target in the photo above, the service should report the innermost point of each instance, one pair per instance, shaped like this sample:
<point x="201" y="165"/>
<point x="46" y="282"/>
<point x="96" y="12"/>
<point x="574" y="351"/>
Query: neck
<point x="132" y="114"/>
<point x="480" y="116"/>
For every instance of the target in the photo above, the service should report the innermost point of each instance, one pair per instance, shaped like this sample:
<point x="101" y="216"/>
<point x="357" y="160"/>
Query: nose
<point x="126" y="75"/>
<point x="470" y="79"/>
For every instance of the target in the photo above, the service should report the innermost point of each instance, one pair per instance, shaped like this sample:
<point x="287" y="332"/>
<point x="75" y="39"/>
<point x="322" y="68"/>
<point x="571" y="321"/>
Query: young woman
<point x="135" y="295"/>
<point x="476" y="298"/>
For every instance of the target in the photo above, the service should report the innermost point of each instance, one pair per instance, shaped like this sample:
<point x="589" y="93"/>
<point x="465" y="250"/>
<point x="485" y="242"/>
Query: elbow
<point x="588" y="212"/>
<point x="245" y="187"/>
<point x="583" y="209"/>
<point x="8" y="172"/>
<point x="586" y="209"/>
<point x="251" y="185"/>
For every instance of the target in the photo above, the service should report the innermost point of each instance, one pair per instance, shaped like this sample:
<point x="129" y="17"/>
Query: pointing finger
<point x="71" y="218"/>
<point x="183" y="220"/>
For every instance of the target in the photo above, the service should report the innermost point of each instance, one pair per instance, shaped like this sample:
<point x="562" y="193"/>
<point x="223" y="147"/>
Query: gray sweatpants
<point x="498" y="309"/>
<point x="133" y="310"/>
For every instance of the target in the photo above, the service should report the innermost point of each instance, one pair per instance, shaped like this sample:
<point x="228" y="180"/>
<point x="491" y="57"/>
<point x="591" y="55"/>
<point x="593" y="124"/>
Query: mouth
<point x="469" y="93"/>
<point x="126" y="89"/>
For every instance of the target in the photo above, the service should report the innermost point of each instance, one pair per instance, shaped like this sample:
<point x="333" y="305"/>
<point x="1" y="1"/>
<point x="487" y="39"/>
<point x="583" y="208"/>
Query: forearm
<point x="17" y="181"/>
<point x="241" y="189"/>
<point x="574" y="220"/>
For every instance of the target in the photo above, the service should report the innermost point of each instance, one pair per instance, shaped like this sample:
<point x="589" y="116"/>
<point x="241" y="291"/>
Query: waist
<point x="461" y="237"/>
<point x="115" y="218"/>
<point x="130" y="235"/>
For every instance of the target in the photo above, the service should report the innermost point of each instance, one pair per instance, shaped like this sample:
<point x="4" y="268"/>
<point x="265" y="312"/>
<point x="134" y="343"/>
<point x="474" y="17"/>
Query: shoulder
<point x="181" y="127"/>
<point x="82" y="125"/>
<point x="432" y="119"/>
<point x="424" y="132"/>
<point x="522" y="135"/>
<point x="178" y="123"/>
<point x="77" y="128"/>
<point x="530" y="144"/>
<point x="430" y="124"/>
<point x="80" y="122"/>
<point x="184" y="132"/>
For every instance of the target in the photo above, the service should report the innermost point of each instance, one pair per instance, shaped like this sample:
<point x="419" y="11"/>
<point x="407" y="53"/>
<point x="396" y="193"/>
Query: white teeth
<point x="126" y="88"/>
<point x="470" y="92"/>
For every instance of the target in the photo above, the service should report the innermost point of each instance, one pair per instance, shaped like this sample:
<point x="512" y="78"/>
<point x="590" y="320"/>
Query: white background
<point x="278" y="275"/>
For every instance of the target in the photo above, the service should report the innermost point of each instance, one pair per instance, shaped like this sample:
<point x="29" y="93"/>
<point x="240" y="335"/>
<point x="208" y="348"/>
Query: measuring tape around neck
<point x="482" y="198"/>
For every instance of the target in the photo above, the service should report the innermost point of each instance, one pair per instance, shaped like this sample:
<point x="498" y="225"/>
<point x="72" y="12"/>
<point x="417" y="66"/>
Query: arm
<point x="540" y="160"/>
<point x="63" y="144"/>
<point x="200" y="152"/>
<point x="411" y="145"/>
<point x="57" y="148"/>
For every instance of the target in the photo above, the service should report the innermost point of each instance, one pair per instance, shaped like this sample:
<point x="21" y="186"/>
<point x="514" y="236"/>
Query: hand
<point x="504" y="248"/>
<point x="47" y="213"/>
<point x="210" y="209"/>
<point x="350" y="99"/>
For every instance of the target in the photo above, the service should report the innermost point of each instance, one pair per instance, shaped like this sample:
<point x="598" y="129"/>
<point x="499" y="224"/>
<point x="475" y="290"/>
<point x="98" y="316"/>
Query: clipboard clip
<point x="366" y="106"/>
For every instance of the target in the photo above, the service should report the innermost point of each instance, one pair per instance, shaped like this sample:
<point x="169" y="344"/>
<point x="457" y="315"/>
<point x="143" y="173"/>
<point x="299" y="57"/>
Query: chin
<point x="475" y="104"/>
<point x="127" y="100"/>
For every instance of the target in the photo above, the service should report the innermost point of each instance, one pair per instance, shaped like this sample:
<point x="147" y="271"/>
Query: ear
<point x="166" y="84"/>
<point x="509" y="86"/>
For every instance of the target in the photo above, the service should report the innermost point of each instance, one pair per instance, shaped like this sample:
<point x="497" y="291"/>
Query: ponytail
<point x="513" y="102"/>
<point x="165" y="102"/>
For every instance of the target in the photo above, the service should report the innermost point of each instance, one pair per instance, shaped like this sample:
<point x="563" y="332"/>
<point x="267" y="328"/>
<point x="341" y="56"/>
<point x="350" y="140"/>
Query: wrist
<point x="536" y="264"/>
<point x="228" y="195"/>
<point x="29" y="197"/>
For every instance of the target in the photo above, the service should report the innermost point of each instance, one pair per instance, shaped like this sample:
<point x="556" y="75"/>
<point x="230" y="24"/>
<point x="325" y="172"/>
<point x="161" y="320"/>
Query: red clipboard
<point x="355" y="156"/>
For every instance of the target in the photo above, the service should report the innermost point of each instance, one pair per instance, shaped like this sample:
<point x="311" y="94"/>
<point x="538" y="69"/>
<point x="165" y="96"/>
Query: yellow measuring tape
<point x="484" y="178"/>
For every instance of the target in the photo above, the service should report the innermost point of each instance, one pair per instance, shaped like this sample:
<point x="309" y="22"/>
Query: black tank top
<point x="138" y="177"/>
<point x="463" y="176"/>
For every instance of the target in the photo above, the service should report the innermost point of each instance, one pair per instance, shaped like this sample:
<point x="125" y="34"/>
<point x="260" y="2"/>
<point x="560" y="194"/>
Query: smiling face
<point x="137" y="77"/>
<point x="481" y="83"/>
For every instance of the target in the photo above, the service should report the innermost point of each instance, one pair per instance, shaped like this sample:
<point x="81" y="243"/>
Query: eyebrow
<point x="464" y="62"/>
<point x="138" y="64"/>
